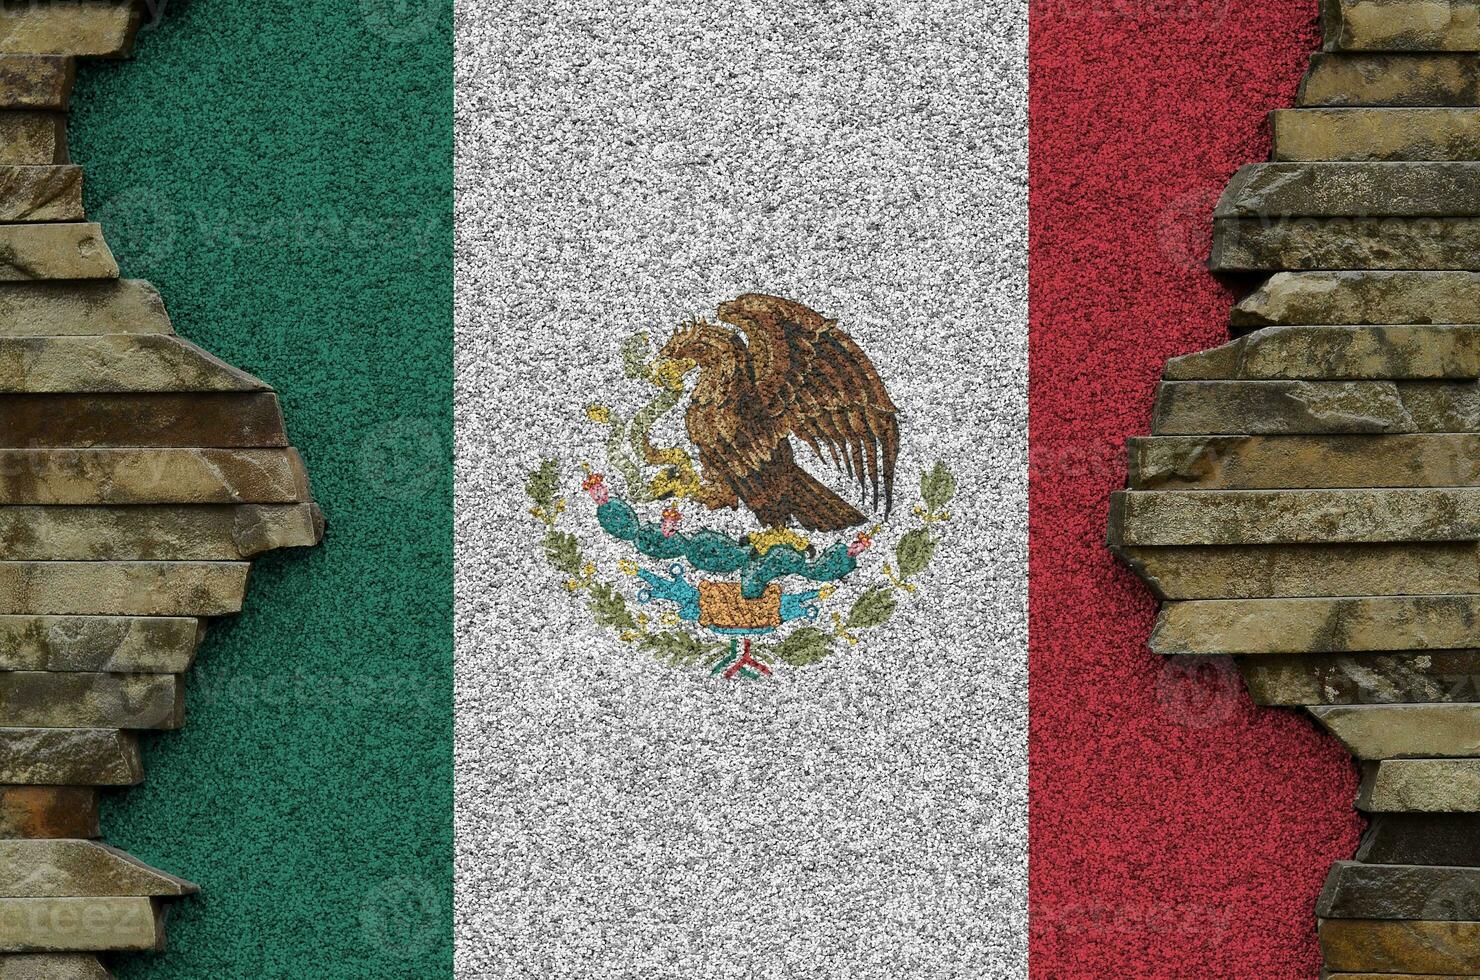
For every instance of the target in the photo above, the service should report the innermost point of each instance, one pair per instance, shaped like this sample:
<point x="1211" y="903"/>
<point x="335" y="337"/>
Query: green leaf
<point x="937" y="487"/>
<point x="543" y="484"/>
<point x="564" y="552"/>
<point x="635" y="355"/>
<point x="678" y="649"/>
<point x="804" y="647"/>
<point x="873" y="608"/>
<point x="914" y="552"/>
<point x="609" y="607"/>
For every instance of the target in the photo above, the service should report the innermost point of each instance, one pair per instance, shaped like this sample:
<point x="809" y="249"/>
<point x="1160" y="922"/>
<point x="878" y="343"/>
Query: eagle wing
<point x="813" y="381"/>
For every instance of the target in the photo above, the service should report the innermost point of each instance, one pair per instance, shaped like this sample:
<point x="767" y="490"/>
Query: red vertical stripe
<point x="1171" y="836"/>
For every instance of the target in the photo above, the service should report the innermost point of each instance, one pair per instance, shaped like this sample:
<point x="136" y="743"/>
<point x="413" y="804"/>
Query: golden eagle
<point x="799" y="374"/>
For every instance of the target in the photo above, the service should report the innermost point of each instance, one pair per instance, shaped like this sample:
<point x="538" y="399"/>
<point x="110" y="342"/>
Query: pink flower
<point x="595" y="485"/>
<point x="671" y="517"/>
<point x="860" y="545"/>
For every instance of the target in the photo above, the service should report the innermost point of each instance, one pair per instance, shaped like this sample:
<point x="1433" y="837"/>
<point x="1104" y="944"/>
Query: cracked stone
<point x="1368" y="297"/>
<point x="45" y="699"/>
<point x="1298" y="680"/>
<point x="141" y="363"/>
<point x="1364" y="891"/>
<point x="41" y="194"/>
<point x="1336" y="353"/>
<point x="163" y="420"/>
<point x="123" y="588"/>
<point x="192" y="533"/>
<point x="48" y="811"/>
<point x="120" y="644"/>
<point x="69" y="757"/>
<point x="58" y="309"/>
<point x="1272" y="571"/>
<point x="1319" y="625"/>
<point x="1278" y="244"/>
<point x="36" y="81"/>
<point x="32" y="139"/>
<point x="1391" y="80"/>
<point x="90" y="28"/>
<point x="1304" y="407"/>
<point x="152" y="476"/>
<point x="71" y="250"/>
<point x="1303" y="462"/>
<point x="1376" y="134"/>
<point x="1234" y="517"/>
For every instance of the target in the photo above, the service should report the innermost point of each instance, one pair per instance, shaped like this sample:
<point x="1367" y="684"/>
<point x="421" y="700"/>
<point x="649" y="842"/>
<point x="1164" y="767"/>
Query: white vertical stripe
<point x="622" y="166"/>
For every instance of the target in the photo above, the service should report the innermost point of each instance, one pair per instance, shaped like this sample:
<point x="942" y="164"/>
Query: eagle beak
<point x="670" y="372"/>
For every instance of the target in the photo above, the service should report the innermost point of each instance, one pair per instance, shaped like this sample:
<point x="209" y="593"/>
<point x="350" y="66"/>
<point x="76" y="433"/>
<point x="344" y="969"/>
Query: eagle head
<point x="697" y="344"/>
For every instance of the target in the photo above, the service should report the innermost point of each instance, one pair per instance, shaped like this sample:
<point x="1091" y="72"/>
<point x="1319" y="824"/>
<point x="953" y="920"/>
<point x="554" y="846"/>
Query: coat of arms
<point x="747" y="592"/>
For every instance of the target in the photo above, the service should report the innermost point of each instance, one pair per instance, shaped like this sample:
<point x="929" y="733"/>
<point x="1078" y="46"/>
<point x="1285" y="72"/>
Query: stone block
<point x="151" y="476"/>
<point x="143" y="363"/>
<point x="46" y="699"/>
<point x="85" y="28"/>
<point x="48" y="811"/>
<point x="107" y="588"/>
<point x="1397" y="731"/>
<point x="178" y="533"/>
<point x="41" y="194"/>
<point x="1303" y="462"/>
<point x="1246" y="245"/>
<point x="47" y="925"/>
<point x="1379" y="79"/>
<point x="1338" y="353"/>
<point x="32" y="139"/>
<point x="1308" y="407"/>
<point x="1250" y="517"/>
<point x="100" y="306"/>
<point x="118" y="644"/>
<point x="69" y="757"/>
<point x="1293" y="680"/>
<point x="1420" y="786"/>
<point x="1394" y="892"/>
<point x="1401" y="25"/>
<point x="80" y="869"/>
<point x="1412" y="189"/>
<point x="1273" y="571"/>
<point x="1401" y="947"/>
<point x="1442" y="839"/>
<point x="226" y="420"/>
<point x="70" y="250"/>
<point x="1376" y="134"/>
<point x="1367" y="297"/>
<point x="52" y="966"/>
<point x="36" y="81"/>
<point x="1318" y="625"/>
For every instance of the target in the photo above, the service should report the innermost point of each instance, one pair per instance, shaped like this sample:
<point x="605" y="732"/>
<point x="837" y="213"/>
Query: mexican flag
<point x="871" y="489"/>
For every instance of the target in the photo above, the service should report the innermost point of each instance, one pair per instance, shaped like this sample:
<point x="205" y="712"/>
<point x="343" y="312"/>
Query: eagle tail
<point x="815" y="507"/>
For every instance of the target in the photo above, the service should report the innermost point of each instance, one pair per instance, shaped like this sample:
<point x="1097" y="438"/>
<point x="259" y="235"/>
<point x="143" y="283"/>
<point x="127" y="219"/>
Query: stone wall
<point x="139" y="476"/>
<point x="1308" y="502"/>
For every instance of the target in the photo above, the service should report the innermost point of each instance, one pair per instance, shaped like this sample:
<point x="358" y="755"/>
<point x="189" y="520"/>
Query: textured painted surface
<point x="626" y="167"/>
<point x="1176" y="830"/>
<point x="282" y="174"/>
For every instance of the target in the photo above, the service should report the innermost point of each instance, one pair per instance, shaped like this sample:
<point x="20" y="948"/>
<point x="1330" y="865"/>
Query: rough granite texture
<point x="283" y="174"/>
<point x="627" y="166"/>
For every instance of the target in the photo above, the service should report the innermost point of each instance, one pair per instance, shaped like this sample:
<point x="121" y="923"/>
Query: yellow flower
<point x="627" y="566"/>
<point x="599" y="414"/>
<point x="827" y="592"/>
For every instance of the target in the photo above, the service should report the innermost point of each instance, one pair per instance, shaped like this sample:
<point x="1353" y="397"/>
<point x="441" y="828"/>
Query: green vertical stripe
<point x="283" y="173"/>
